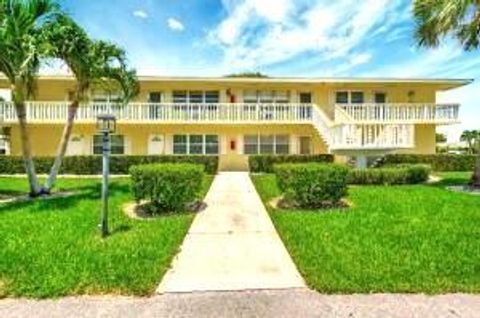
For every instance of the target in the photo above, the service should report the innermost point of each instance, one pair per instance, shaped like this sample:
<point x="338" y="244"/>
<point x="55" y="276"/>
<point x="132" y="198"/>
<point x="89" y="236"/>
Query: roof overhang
<point x="439" y="83"/>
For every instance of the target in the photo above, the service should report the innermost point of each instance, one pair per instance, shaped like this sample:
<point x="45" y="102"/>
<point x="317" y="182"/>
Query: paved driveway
<point x="232" y="244"/>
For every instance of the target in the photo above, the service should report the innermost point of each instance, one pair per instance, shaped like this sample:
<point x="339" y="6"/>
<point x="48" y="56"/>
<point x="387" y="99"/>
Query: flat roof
<point x="444" y="83"/>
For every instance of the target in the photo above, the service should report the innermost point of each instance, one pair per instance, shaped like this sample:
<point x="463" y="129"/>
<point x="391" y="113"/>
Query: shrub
<point x="93" y="164"/>
<point x="401" y="174"/>
<point x="312" y="185"/>
<point x="438" y="162"/>
<point x="265" y="163"/>
<point x="168" y="187"/>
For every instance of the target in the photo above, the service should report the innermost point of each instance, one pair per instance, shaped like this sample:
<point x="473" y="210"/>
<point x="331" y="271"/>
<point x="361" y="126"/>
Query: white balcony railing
<point x="53" y="112"/>
<point x="397" y="113"/>
<point x="356" y="127"/>
<point x="373" y="137"/>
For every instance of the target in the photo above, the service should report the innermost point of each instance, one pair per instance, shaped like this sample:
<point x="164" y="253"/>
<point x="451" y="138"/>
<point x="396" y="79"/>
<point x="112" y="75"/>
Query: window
<point x="265" y="96"/>
<point x="356" y="98"/>
<point x="117" y="144"/>
<point x="341" y="98"/>
<point x="345" y="97"/>
<point x="155" y="97"/>
<point x="380" y="98"/>
<point x="180" y="144"/>
<point x="250" y="96"/>
<point x="281" y="97"/>
<point x="250" y="144"/>
<point x="180" y="97"/>
<point x="196" y="97"/>
<point x="106" y="97"/>
<point x="195" y="144"/>
<point x="305" y="98"/>
<point x="211" y="144"/>
<point x="282" y="144"/>
<point x="212" y="97"/>
<point x="266" y="144"/>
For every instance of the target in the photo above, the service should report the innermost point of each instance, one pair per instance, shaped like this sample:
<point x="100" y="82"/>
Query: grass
<point x="419" y="238"/>
<point x="52" y="248"/>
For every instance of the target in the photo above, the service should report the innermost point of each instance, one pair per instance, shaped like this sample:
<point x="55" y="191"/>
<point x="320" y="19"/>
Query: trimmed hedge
<point x="265" y="163"/>
<point x="312" y="185"/>
<point x="90" y="165"/>
<point x="438" y="162"/>
<point x="168" y="186"/>
<point x="401" y="174"/>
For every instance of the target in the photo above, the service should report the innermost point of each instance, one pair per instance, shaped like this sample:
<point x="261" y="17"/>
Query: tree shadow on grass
<point x="80" y="194"/>
<point x="449" y="181"/>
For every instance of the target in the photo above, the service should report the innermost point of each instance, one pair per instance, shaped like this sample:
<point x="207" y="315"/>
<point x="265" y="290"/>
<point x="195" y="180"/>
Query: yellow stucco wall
<point x="45" y="137"/>
<point x="424" y="140"/>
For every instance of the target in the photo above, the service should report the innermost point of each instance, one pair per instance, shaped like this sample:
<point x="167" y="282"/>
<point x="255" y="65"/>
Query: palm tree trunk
<point x="62" y="148"/>
<point x="476" y="174"/>
<point x="27" y="149"/>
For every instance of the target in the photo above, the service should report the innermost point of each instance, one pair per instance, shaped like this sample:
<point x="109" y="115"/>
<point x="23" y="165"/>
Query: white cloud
<point x="175" y="24"/>
<point x="259" y="33"/>
<point x="359" y="59"/>
<point x="140" y="14"/>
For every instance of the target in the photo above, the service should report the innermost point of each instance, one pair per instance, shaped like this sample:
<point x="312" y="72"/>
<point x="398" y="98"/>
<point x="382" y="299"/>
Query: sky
<point x="312" y="38"/>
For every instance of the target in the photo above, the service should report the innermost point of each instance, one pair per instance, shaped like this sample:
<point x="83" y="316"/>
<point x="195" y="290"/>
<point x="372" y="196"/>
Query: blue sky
<point x="280" y="38"/>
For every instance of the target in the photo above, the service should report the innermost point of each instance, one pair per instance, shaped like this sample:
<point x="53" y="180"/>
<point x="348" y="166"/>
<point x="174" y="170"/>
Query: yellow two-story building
<point x="238" y="117"/>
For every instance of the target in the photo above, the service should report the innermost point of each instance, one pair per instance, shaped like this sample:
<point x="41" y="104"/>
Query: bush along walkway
<point x="232" y="244"/>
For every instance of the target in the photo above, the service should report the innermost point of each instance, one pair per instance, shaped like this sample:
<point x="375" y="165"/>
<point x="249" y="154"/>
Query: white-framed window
<point x="380" y="97"/>
<point x="305" y="97"/>
<point x="195" y="145"/>
<point x="196" y="97"/>
<point x="211" y="145"/>
<point x="250" y="144"/>
<point x="349" y="97"/>
<point x="266" y="144"/>
<point x="106" y="97"/>
<point x="155" y="97"/>
<point x="180" y="144"/>
<point x="265" y="96"/>
<point x="282" y="144"/>
<point x="117" y="144"/>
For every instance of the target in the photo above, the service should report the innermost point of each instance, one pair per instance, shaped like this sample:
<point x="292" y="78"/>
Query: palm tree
<point x="21" y="49"/>
<point x="93" y="63"/>
<point x="436" y="19"/>
<point x="471" y="138"/>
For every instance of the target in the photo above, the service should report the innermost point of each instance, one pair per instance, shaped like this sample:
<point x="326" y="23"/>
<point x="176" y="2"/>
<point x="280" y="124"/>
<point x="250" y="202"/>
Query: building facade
<point x="238" y="117"/>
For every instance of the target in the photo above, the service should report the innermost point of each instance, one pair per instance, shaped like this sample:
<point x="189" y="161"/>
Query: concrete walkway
<point x="259" y="303"/>
<point x="231" y="245"/>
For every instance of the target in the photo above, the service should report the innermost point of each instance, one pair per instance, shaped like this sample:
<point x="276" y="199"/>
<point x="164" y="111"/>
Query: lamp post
<point x="106" y="125"/>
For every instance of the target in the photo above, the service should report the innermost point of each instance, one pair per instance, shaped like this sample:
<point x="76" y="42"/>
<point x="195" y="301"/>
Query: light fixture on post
<point x="106" y="125"/>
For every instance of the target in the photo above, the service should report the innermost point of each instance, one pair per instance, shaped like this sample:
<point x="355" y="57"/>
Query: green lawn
<point x="419" y="238"/>
<point x="52" y="248"/>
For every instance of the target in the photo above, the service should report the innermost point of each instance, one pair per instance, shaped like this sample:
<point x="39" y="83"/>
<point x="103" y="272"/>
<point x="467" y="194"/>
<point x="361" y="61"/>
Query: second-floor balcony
<point x="57" y="112"/>
<point x="54" y="112"/>
<point x="398" y="113"/>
